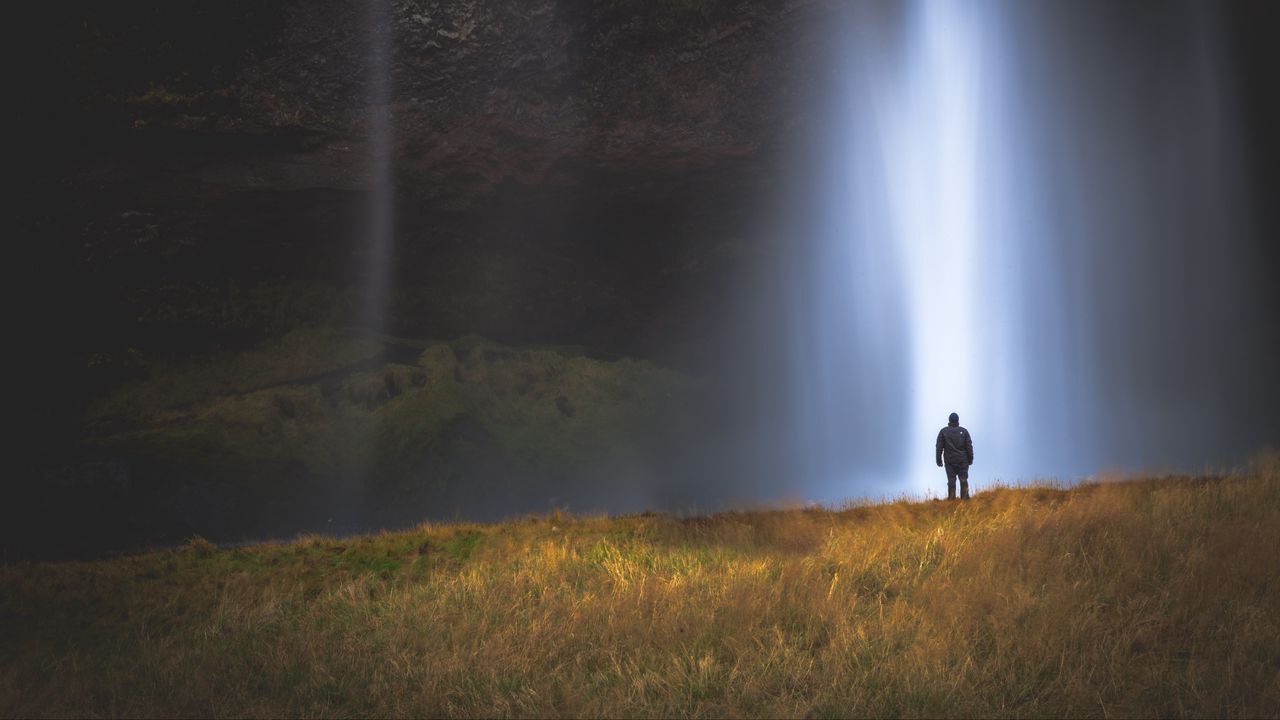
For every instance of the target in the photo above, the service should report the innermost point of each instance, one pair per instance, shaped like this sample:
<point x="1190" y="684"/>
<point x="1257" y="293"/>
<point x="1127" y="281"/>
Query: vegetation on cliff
<point x="328" y="429"/>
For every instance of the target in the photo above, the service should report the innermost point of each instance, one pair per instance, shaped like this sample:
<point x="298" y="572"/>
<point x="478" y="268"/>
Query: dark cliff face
<point x="584" y="171"/>
<point x="196" y="186"/>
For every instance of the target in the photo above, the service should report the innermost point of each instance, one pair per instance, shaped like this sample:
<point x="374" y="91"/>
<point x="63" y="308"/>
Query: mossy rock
<point x="301" y="356"/>
<point x="463" y="414"/>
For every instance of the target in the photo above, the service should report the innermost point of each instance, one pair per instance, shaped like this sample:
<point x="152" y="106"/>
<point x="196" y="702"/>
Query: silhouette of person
<point x="956" y="447"/>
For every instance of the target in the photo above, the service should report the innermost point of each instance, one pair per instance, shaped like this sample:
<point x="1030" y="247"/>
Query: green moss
<point x="160" y="99"/>
<point x="300" y="356"/>
<point x="413" y="425"/>
<point x="321" y="405"/>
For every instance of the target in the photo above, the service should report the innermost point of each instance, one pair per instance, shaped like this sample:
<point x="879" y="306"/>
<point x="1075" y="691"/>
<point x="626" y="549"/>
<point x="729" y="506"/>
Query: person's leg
<point x="964" y="483"/>
<point x="951" y="482"/>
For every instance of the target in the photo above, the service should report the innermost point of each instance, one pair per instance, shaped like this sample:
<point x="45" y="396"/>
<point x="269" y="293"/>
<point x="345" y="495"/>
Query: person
<point x="955" y="446"/>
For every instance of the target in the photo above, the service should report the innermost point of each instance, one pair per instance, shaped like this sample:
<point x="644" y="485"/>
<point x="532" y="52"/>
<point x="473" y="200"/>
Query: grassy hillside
<point x="1150" y="598"/>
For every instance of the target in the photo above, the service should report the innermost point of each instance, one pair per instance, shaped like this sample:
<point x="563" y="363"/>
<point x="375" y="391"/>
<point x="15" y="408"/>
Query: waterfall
<point x="936" y="171"/>
<point x="379" y="228"/>
<point x="1020" y="213"/>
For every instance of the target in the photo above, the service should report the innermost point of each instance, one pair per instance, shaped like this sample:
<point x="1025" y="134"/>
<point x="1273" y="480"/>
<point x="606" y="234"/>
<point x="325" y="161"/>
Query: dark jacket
<point x="955" y="444"/>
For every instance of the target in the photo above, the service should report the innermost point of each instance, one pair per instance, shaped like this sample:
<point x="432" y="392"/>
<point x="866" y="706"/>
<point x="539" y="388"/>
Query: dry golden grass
<point x="1143" y="598"/>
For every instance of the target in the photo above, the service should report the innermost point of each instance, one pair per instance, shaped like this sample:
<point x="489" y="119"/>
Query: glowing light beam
<point x="932" y="132"/>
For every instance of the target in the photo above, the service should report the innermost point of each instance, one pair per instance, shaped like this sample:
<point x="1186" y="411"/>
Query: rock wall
<point x="566" y="170"/>
<point x="578" y="172"/>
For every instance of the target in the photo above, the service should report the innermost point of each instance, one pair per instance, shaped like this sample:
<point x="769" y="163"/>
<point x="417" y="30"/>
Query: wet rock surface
<point x="565" y="170"/>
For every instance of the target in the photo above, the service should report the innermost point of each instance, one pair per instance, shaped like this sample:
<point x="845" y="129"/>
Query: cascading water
<point x="934" y="166"/>
<point x="379" y="226"/>
<point x="375" y="243"/>
<point x="1022" y="213"/>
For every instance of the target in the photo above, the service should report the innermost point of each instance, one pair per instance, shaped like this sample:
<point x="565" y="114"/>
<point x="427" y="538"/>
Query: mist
<point x="1034" y="215"/>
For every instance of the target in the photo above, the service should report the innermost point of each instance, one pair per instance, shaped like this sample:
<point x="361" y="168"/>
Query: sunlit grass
<point x="1151" y="598"/>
